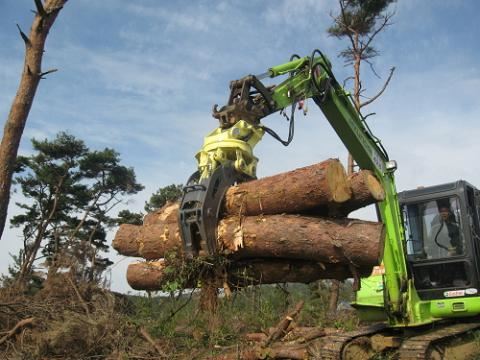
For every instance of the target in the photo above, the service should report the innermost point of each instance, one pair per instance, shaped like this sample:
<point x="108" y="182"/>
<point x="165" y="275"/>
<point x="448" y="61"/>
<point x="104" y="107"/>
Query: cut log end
<point x="337" y="182"/>
<point x="375" y="187"/>
<point x="146" y="275"/>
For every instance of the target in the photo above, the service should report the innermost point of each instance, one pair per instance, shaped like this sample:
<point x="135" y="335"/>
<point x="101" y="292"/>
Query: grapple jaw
<point x="201" y="207"/>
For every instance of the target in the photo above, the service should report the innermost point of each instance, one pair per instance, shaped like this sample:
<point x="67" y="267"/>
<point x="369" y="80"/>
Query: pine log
<point x="366" y="190"/>
<point x="328" y="241"/>
<point x="256" y="337"/>
<point x="281" y="329"/>
<point x="292" y="192"/>
<point x="284" y="351"/>
<point x="151" y="275"/>
<point x="127" y="238"/>
<point x="271" y="271"/>
<point x="149" y="241"/>
<point x="165" y="215"/>
<point x="147" y="276"/>
<point x="304" y="334"/>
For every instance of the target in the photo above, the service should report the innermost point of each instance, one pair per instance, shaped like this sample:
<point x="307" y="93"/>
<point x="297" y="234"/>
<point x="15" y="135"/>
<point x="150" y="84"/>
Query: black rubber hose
<point x="436" y="237"/>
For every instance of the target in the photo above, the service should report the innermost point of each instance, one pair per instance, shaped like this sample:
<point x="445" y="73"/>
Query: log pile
<point x="291" y="227"/>
<point x="286" y="340"/>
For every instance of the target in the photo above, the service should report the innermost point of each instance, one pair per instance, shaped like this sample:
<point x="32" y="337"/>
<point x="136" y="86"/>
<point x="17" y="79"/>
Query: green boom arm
<point x="311" y="77"/>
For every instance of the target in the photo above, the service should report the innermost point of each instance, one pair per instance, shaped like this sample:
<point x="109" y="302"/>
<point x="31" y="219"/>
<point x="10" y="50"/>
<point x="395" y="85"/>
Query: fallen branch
<point x="152" y="342"/>
<point x="21" y="324"/>
<point x="79" y="296"/>
<point x="281" y="329"/>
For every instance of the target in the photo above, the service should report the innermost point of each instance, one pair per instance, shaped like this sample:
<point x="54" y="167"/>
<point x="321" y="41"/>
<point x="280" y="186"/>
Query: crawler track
<point x="429" y="345"/>
<point x="419" y="347"/>
<point x="334" y="344"/>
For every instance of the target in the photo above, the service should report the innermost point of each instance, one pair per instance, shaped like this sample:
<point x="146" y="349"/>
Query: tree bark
<point x="151" y="275"/>
<point x="329" y="241"/>
<point x="333" y="300"/>
<point x="32" y="73"/>
<point x="281" y="329"/>
<point x="366" y="190"/>
<point x="321" y="184"/>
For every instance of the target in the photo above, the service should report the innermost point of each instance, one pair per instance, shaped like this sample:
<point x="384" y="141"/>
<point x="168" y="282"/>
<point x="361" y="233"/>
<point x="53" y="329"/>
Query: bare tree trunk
<point x="334" y="295"/>
<point x="31" y="76"/>
<point x="30" y="255"/>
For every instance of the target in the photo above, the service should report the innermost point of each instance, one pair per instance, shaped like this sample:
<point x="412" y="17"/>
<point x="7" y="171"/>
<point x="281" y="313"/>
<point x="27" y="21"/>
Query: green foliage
<point x="360" y="19"/>
<point x="161" y="196"/>
<point x="128" y="217"/>
<point x="177" y="318"/>
<point x="33" y="282"/>
<point x="70" y="191"/>
<point x="359" y="16"/>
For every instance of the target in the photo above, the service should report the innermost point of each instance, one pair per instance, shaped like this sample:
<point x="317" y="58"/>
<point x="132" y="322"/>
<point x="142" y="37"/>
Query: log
<point x="149" y="241"/>
<point x="366" y="190"/>
<point x="281" y="329"/>
<point x="151" y="275"/>
<point x="284" y="351"/>
<point x="305" y="334"/>
<point x="344" y="241"/>
<point x="292" y="192"/>
<point x="329" y="241"/>
<point x="273" y="271"/>
<point x="126" y="240"/>
<point x="256" y="337"/>
<point x="165" y="215"/>
<point x="147" y="276"/>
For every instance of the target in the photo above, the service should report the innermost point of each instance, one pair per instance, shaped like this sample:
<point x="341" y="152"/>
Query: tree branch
<point x="381" y="91"/>
<point x="385" y="23"/>
<point x="40" y="9"/>
<point x="346" y="80"/>
<point x="42" y="74"/>
<point x="25" y="38"/>
<point x="79" y="296"/>
<point x="372" y="68"/>
<point x="342" y="8"/>
<point x="16" y="328"/>
<point x="152" y="342"/>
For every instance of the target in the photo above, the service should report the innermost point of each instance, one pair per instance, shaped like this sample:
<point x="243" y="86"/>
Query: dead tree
<point x="45" y="16"/>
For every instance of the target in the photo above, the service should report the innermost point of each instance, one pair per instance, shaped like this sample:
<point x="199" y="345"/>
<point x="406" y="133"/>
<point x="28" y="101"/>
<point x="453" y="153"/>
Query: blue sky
<point x="142" y="77"/>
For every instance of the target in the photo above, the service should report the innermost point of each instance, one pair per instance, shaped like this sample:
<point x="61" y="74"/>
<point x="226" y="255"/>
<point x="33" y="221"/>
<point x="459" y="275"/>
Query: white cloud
<point x="300" y="13"/>
<point x="195" y="17"/>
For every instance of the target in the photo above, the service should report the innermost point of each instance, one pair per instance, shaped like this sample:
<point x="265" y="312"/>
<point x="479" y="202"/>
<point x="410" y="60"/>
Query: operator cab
<point x="442" y="239"/>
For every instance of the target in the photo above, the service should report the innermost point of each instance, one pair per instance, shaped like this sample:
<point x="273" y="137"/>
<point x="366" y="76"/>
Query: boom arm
<point x="310" y="77"/>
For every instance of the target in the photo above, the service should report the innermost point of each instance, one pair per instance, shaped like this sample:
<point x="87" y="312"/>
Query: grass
<point x="253" y="309"/>
<point x="88" y="322"/>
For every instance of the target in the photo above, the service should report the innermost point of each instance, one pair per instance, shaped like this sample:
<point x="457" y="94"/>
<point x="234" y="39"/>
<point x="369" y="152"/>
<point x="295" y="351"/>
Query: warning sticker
<point x="454" y="293"/>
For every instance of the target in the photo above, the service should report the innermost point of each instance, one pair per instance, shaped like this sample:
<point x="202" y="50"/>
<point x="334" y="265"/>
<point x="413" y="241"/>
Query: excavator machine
<point x="426" y="288"/>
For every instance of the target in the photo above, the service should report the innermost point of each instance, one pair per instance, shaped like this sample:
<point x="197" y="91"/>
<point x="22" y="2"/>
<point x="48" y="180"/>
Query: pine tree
<point x="70" y="192"/>
<point x="360" y="22"/>
<point x="162" y="195"/>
